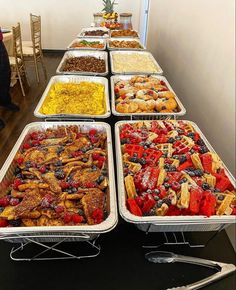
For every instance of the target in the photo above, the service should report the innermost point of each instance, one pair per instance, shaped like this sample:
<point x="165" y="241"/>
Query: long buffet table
<point x="121" y="263"/>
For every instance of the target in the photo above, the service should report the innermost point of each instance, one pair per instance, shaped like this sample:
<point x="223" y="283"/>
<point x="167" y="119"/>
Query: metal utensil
<point x="168" y="257"/>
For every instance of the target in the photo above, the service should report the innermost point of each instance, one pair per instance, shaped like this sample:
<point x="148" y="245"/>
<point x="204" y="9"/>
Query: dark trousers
<point x="5" y="76"/>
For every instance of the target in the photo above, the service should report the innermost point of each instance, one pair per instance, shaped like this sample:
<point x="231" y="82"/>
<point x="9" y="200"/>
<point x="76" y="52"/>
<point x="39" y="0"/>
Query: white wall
<point x="62" y="20"/>
<point x="194" y="42"/>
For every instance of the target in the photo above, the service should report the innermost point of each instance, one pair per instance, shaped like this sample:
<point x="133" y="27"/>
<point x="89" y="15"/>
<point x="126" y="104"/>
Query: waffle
<point x="172" y="196"/>
<point x="197" y="161"/>
<point x="130" y="187"/>
<point x="161" y="162"/>
<point x="187" y="141"/>
<point x="162" y="210"/>
<point x="225" y="204"/>
<point x="210" y="179"/>
<point x="188" y="128"/>
<point x="189" y="179"/>
<point x="166" y="149"/>
<point x="151" y="136"/>
<point x="161" y="177"/>
<point x="184" y="198"/>
<point x="172" y="133"/>
<point x="133" y="167"/>
<point x="216" y="162"/>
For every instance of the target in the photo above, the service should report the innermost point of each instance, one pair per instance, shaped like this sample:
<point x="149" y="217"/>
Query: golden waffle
<point x="216" y="162"/>
<point x="126" y="157"/>
<point x="130" y="186"/>
<point x="172" y="134"/>
<point x="175" y="123"/>
<point x="197" y="161"/>
<point x="166" y="148"/>
<point x="175" y="162"/>
<point x="151" y="136"/>
<point x="210" y="179"/>
<point x="162" y="210"/>
<point x="225" y="204"/>
<point x="189" y="128"/>
<point x="134" y="167"/>
<point x="184" y="198"/>
<point x="172" y="196"/>
<point x="162" y="125"/>
<point x="161" y="162"/>
<point x="187" y="141"/>
<point x="161" y="177"/>
<point x="189" y="179"/>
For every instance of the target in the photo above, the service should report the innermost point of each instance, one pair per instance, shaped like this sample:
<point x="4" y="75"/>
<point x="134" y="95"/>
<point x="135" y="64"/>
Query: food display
<point x="87" y="44"/>
<point x="124" y="33"/>
<point x="128" y="44"/>
<point x="169" y="171"/>
<point x="134" y="62"/>
<point x="144" y="94"/>
<point x="60" y="178"/>
<point x="72" y="98"/>
<point x="96" y="32"/>
<point x="84" y="64"/>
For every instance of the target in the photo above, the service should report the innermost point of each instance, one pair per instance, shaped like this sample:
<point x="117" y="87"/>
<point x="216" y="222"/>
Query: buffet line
<point x="59" y="177"/>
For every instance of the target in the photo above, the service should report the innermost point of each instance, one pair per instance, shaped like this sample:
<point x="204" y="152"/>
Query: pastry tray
<point x="112" y="53"/>
<point x="83" y="30"/>
<point x="115" y="78"/>
<point x="74" y="79"/>
<point x="125" y="39"/>
<point x="167" y="223"/>
<point x="78" y="53"/>
<point x="101" y="40"/>
<point x="7" y="172"/>
<point x="136" y="37"/>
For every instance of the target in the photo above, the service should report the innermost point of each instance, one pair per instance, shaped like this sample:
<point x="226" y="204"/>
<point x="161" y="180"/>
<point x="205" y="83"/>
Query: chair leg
<point x="36" y="68"/>
<point x="43" y="66"/>
<point x="20" y="80"/>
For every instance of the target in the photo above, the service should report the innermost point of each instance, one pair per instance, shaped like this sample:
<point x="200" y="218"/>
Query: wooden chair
<point x="32" y="51"/>
<point x="17" y="61"/>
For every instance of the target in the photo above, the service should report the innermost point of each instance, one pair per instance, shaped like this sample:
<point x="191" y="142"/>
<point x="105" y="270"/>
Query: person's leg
<point x="5" y="80"/>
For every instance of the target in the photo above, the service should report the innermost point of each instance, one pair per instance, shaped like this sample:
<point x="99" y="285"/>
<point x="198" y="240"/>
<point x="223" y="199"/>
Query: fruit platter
<point x="136" y="95"/>
<point x="84" y="62"/>
<point x="134" y="62"/>
<point x="94" y="32"/>
<point x="124" y="44"/>
<point x="59" y="176"/>
<point x="87" y="43"/>
<point x="66" y="96"/>
<point x="171" y="177"/>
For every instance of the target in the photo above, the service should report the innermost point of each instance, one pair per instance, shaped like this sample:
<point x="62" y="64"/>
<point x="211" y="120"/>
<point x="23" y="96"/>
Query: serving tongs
<point x="222" y="269"/>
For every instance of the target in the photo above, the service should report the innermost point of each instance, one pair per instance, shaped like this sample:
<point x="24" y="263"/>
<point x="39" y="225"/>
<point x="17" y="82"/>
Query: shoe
<point x="12" y="107"/>
<point x="2" y="125"/>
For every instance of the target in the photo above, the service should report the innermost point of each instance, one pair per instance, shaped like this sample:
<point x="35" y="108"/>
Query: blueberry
<point x="176" y="157"/>
<point x="157" y="191"/>
<point x="145" y="147"/>
<point x="205" y="186"/>
<point x="199" y="172"/>
<point x="191" y="135"/>
<point x="135" y="155"/>
<point x="74" y="189"/>
<point x="167" y="185"/>
<point x="203" y="149"/>
<point x="94" y="167"/>
<point x="19" y="175"/>
<point x="166" y="179"/>
<point x="60" y="174"/>
<point x="217" y="190"/>
<point x="220" y="197"/>
<point x="15" y="223"/>
<point x="167" y="166"/>
<point x="172" y="168"/>
<point x="167" y="201"/>
<point x="191" y="151"/>
<point x="180" y="131"/>
<point x="156" y="198"/>
<point x="100" y="179"/>
<point x="182" y="159"/>
<point x="1" y="209"/>
<point x="183" y="180"/>
<point x="134" y="159"/>
<point x="84" y="160"/>
<point x="142" y="161"/>
<point x="123" y="141"/>
<point x="17" y="170"/>
<point x="144" y="154"/>
<point x="80" y="212"/>
<point x="60" y="149"/>
<point x="171" y="140"/>
<point x="58" y="163"/>
<point x="159" y="203"/>
<point x="191" y="173"/>
<point x="28" y="164"/>
<point x="200" y="142"/>
<point x="149" y="191"/>
<point x="178" y="138"/>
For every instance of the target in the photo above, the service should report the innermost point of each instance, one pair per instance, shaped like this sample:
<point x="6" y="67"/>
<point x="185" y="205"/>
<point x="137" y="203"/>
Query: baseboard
<point x="54" y="51"/>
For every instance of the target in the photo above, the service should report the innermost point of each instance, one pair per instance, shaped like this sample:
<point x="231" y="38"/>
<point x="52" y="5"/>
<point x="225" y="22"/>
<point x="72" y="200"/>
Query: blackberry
<point x="205" y="186"/>
<point x="15" y="223"/>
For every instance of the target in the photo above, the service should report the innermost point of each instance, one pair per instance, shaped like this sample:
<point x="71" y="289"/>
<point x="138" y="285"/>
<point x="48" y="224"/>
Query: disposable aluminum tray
<point x="82" y="32"/>
<point x="74" y="79"/>
<point x="112" y="53"/>
<point x="47" y="233"/>
<point x="114" y="79"/>
<point x="167" y="223"/>
<point x="138" y="36"/>
<point x="78" y="53"/>
<point x="125" y="39"/>
<point x="101" y="40"/>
